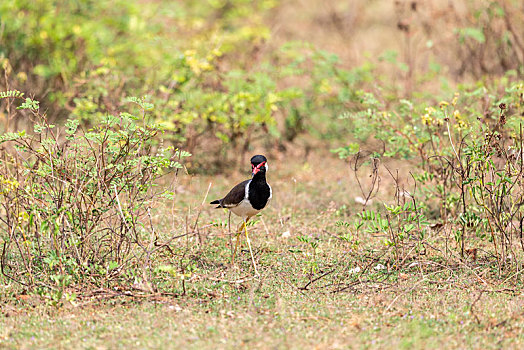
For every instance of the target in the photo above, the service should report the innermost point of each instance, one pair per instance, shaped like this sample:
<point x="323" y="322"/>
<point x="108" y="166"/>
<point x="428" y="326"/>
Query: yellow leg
<point x="251" y="251"/>
<point x="237" y="242"/>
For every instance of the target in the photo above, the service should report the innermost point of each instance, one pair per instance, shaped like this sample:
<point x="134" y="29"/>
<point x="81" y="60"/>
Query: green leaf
<point x="29" y="104"/>
<point x="346" y="151"/>
<point x="473" y="33"/>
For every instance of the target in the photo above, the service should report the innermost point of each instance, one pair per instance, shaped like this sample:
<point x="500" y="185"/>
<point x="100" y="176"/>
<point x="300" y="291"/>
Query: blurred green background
<point x="229" y="76"/>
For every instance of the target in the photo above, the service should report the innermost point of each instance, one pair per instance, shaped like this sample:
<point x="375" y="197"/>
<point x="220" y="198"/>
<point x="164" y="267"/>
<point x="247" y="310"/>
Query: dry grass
<point x="421" y="320"/>
<point x="429" y="301"/>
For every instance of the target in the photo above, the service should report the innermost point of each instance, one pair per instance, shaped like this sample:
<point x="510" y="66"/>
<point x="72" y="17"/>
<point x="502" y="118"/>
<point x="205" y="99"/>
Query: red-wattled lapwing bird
<point x="247" y="199"/>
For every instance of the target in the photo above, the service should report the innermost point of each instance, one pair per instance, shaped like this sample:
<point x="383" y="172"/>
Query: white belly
<point x="244" y="210"/>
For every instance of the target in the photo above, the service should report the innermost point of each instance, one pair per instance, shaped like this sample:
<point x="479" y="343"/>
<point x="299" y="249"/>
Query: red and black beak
<point x="256" y="169"/>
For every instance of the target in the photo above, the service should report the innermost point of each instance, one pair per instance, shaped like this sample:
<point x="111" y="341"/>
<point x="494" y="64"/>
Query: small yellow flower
<point x="23" y="217"/>
<point x="461" y="123"/>
<point x="430" y="110"/>
<point x="443" y="104"/>
<point x="426" y="119"/>
<point x="77" y="30"/>
<point x="325" y="86"/>
<point x="22" y="76"/>
<point x="455" y="99"/>
<point x="7" y="185"/>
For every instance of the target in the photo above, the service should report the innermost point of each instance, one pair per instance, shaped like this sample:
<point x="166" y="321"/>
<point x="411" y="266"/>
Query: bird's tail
<point x="216" y="201"/>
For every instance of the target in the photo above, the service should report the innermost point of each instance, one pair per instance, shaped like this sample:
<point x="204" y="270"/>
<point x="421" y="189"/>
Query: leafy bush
<point x="87" y="55"/>
<point x="76" y="204"/>
<point x="198" y="63"/>
<point x="469" y="153"/>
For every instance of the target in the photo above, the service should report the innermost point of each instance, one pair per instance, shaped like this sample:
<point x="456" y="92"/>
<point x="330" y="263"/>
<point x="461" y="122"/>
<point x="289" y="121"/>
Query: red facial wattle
<point x="256" y="169"/>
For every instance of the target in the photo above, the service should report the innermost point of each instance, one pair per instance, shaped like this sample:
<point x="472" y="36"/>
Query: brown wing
<point x="235" y="196"/>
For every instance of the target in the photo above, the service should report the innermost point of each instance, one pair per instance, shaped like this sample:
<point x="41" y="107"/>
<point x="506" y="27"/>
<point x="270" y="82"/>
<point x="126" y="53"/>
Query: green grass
<point x="301" y="299"/>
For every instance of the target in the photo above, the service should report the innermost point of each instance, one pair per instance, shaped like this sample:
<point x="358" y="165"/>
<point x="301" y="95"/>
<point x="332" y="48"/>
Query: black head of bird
<point x="258" y="164"/>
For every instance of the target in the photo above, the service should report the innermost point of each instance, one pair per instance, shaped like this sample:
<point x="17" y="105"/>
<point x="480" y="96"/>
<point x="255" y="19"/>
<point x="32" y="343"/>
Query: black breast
<point x="259" y="193"/>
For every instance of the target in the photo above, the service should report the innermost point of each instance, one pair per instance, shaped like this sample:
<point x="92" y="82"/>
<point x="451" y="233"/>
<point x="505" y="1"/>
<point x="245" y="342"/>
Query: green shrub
<point x="86" y="56"/>
<point x="197" y="61"/>
<point x="469" y="156"/>
<point x="76" y="204"/>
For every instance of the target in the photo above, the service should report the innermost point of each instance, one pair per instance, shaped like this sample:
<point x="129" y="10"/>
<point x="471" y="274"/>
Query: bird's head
<point x="258" y="164"/>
